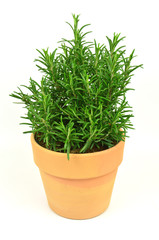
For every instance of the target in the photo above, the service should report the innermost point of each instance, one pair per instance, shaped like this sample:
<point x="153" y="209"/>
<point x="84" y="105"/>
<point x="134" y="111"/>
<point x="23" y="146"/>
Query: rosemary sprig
<point x="80" y="103"/>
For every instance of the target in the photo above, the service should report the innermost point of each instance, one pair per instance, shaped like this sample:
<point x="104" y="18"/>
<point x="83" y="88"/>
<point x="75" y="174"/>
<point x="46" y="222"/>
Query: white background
<point x="134" y="209"/>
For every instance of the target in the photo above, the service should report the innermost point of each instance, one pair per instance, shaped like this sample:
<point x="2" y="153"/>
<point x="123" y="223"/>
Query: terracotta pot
<point x="80" y="188"/>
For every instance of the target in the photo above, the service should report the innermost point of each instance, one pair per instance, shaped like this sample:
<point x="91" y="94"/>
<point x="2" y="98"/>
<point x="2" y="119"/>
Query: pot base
<point x="60" y="213"/>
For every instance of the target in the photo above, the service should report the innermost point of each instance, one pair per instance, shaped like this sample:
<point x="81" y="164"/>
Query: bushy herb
<point x="80" y="104"/>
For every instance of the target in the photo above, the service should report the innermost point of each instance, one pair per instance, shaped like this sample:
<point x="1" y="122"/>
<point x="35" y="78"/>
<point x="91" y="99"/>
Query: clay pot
<point x="81" y="187"/>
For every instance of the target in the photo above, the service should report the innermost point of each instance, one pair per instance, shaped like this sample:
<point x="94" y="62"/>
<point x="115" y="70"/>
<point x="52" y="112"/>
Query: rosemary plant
<point x="80" y="103"/>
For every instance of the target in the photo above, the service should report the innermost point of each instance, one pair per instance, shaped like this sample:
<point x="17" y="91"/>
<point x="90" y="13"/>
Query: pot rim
<point x="80" y="166"/>
<point x="75" y="154"/>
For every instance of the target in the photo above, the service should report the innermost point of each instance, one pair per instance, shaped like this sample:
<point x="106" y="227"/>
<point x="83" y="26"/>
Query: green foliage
<point x="80" y="104"/>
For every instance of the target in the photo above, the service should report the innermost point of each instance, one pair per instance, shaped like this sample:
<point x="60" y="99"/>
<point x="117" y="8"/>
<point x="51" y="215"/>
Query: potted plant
<point x="79" y="117"/>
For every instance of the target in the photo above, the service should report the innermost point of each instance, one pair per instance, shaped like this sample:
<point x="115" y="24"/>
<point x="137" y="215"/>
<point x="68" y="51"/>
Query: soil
<point x="94" y="149"/>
